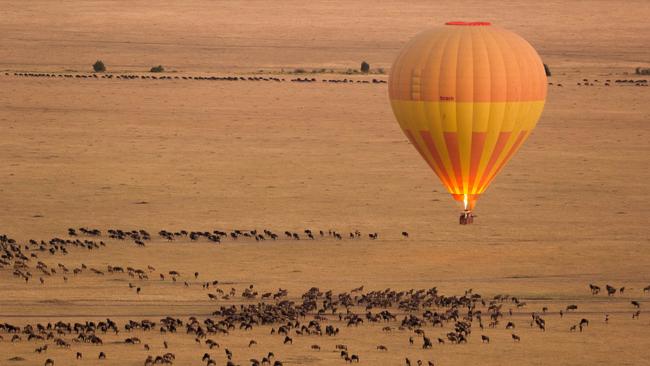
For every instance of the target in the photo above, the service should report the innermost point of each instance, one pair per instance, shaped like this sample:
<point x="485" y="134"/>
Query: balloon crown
<point x="469" y="23"/>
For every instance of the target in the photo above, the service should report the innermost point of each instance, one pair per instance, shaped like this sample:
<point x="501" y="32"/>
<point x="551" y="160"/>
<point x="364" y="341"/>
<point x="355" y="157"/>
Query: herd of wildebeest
<point x="414" y="314"/>
<point x="305" y="79"/>
<point x="270" y="77"/>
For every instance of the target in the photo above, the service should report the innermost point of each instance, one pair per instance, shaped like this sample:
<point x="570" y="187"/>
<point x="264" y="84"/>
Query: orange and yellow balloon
<point x="467" y="95"/>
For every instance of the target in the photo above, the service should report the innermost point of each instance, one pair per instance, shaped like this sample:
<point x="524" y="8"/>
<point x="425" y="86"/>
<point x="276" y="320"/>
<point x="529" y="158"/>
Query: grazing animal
<point x="635" y="303"/>
<point x="79" y="356"/>
<point x="426" y="343"/>
<point x="485" y="339"/>
<point x="288" y="339"/>
<point x="102" y="356"/>
<point x="594" y="289"/>
<point x="516" y="338"/>
<point x="49" y="362"/>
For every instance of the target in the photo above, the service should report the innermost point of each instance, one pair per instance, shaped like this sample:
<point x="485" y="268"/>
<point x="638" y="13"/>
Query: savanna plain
<point x="180" y="191"/>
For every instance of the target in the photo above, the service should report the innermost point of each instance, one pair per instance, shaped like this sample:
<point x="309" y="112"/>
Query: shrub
<point x="642" y="71"/>
<point x="99" y="66"/>
<point x="365" y="67"/>
<point x="158" y="68"/>
<point x="299" y="71"/>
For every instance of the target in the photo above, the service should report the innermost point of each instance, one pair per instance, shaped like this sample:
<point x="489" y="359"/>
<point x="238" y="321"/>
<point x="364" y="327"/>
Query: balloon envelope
<point x="467" y="95"/>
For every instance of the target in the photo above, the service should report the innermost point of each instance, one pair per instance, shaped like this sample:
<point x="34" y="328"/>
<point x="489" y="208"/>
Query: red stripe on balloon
<point x="498" y="148"/>
<point x="478" y="142"/>
<point x="428" y="140"/>
<point x="417" y="146"/>
<point x="451" y="139"/>
<point x="520" y="139"/>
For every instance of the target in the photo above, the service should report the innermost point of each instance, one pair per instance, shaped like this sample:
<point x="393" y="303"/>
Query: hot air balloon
<point x="467" y="95"/>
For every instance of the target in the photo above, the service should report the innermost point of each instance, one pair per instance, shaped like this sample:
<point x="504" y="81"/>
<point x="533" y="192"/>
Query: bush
<point x="365" y="67"/>
<point x="99" y="66"/>
<point x="158" y="68"/>
<point x="299" y="71"/>
<point x="547" y="70"/>
<point x="642" y="71"/>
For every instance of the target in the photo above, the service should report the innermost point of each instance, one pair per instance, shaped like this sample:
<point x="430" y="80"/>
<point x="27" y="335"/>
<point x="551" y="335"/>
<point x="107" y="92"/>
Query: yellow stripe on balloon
<point x="418" y="117"/>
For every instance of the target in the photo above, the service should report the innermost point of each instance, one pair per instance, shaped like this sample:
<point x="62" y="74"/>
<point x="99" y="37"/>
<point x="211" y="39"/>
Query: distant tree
<point x="99" y="66"/>
<point x="365" y="67"/>
<point x="547" y="70"/>
<point x="158" y="68"/>
<point x="642" y="71"/>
